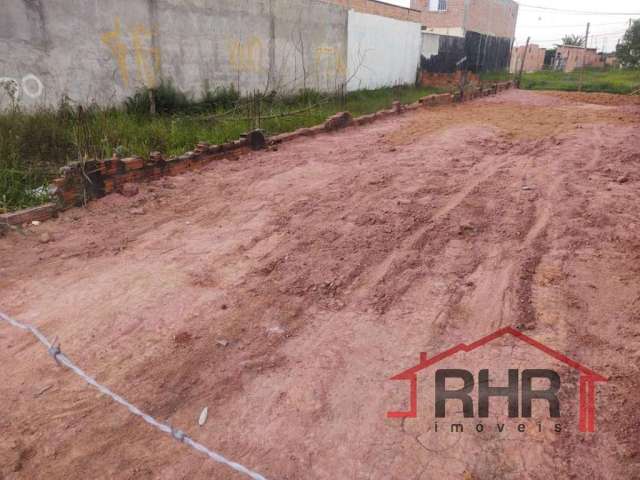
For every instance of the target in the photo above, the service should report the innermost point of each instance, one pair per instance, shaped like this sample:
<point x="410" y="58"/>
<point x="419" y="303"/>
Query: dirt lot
<point x="283" y="290"/>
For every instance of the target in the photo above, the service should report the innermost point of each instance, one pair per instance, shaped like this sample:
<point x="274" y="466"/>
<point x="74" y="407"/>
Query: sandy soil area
<point x="283" y="290"/>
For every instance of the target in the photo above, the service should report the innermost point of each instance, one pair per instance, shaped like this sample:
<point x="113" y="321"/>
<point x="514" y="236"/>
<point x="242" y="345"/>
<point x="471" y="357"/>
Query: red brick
<point x="109" y="167"/>
<point x="176" y="168"/>
<point x="28" y="215"/>
<point x="132" y="163"/>
<point x="109" y="186"/>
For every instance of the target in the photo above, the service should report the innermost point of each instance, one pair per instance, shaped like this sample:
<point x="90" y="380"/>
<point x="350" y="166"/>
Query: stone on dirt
<point x="137" y="211"/>
<point x="275" y="330"/>
<point x="45" y="237"/>
<point x="338" y="121"/>
<point x="130" y="189"/>
<point x="256" y="140"/>
<point x="203" y="416"/>
<point x="623" y="178"/>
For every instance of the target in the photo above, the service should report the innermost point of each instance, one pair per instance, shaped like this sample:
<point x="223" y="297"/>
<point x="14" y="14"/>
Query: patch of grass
<point x="35" y="144"/>
<point x="595" y="80"/>
<point x="496" y="76"/>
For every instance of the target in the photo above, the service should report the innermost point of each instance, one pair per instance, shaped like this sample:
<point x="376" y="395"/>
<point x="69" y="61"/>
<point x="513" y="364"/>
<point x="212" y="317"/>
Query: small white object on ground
<point x="203" y="416"/>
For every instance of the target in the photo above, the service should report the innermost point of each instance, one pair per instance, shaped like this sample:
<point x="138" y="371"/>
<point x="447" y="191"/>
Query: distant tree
<point x="628" y="51"/>
<point x="573" y="40"/>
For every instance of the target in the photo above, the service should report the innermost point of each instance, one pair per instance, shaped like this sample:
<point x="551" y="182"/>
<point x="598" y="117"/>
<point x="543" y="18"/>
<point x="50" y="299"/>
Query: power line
<point x="577" y="12"/>
<point x="600" y="35"/>
<point x="622" y="22"/>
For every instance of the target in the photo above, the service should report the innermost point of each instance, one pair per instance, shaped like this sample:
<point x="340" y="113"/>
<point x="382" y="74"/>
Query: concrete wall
<point x="382" y="51"/>
<point x="102" y="51"/>
<point x="430" y="45"/>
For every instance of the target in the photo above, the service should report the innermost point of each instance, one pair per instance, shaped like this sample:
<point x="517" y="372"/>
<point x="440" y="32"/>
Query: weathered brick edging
<point x="82" y="182"/>
<point x="28" y="215"/>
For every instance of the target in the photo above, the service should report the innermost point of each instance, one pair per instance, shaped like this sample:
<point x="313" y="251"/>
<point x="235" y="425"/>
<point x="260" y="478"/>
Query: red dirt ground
<point x="328" y="265"/>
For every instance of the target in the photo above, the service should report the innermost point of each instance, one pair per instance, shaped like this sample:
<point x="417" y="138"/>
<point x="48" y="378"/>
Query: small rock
<point x="203" y="416"/>
<point x="45" y="238"/>
<point x="257" y="140"/>
<point x="137" y="211"/>
<point x="130" y="189"/>
<point x="35" y="223"/>
<point x="222" y="342"/>
<point x="622" y="179"/>
<point x="465" y="228"/>
<point x="224" y="306"/>
<point x="528" y="188"/>
<point x="276" y="330"/>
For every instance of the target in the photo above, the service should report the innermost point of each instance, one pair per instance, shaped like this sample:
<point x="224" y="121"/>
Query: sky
<point x="547" y="27"/>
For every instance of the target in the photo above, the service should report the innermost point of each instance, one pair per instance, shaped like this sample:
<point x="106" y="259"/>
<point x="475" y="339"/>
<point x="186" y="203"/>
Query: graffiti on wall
<point x="136" y="57"/>
<point x="30" y="85"/>
<point x="249" y="56"/>
<point x="137" y="41"/>
<point x="331" y="60"/>
<point x="246" y="56"/>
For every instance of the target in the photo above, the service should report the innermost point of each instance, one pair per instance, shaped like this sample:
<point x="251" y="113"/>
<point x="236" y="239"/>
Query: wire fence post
<point x="584" y="58"/>
<point x="524" y="58"/>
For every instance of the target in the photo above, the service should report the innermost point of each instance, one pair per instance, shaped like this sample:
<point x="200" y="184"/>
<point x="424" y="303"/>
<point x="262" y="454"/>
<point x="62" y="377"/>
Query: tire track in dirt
<point x="506" y="270"/>
<point x="276" y="255"/>
<point x="404" y="256"/>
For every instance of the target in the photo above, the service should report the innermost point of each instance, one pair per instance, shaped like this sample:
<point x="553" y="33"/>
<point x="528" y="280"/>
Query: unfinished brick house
<point x="533" y="61"/>
<point x="375" y="7"/>
<point x="569" y="58"/>
<point x="480" y="31"/>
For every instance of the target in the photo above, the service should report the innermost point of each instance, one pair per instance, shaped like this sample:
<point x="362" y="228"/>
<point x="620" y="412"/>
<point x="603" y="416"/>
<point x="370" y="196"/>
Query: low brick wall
<point x="82" y="182"/>
<point x="28" y="215"/>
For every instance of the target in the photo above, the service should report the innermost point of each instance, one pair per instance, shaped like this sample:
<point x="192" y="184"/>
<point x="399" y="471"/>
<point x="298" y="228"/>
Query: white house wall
<point x="382" y="51"/>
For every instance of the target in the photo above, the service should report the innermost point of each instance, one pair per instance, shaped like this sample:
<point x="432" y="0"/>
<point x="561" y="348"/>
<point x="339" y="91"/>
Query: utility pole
<point x="584" y="57"/>
<point x="524" y="58"/>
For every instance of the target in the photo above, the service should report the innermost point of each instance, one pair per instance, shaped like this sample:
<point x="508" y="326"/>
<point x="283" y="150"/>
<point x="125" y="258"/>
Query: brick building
<point x="384" y="9"/>
<point x="533" y="62"/>
<point x="472" y="34"/>
<point x="569" y="58"/>
<point x="496" y="18"/>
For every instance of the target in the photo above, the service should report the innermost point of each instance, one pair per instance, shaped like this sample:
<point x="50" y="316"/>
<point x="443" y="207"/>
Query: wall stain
<point x="38" y="19"/>
<point x="246" y="56"/>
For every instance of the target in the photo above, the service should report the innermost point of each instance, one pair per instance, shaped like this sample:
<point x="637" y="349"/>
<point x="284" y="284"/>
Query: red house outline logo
<point x="588" y="377"/>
